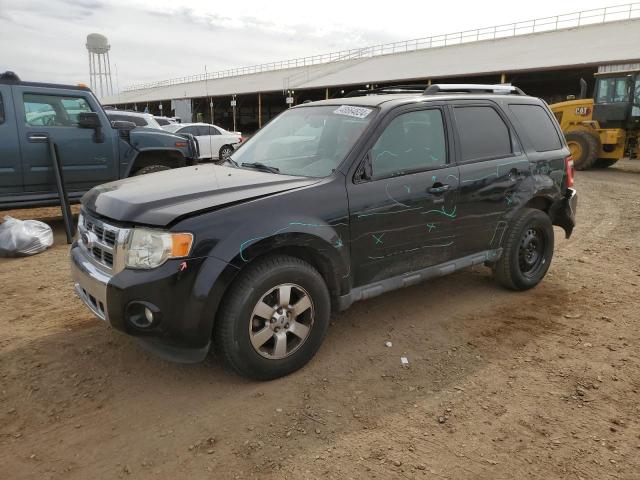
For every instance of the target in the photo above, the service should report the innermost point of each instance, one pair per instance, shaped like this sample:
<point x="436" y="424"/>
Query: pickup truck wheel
<point x="273" y="319"/>
<point x="527" y="251"/>
<point x="225" y="152"/>
<point x="151" y="169"/>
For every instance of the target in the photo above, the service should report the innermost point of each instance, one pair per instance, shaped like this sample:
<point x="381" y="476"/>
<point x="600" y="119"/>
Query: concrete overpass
<point x="545" y="57"/>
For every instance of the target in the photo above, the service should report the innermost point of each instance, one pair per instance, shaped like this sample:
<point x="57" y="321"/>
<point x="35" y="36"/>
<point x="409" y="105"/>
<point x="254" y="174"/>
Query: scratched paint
<point x="378" y="238"/>
<point x="401" y="252"/>
<point x="442" y="211"/>
<point x="431" y="226"/>
<point x="246" y="243"/>
<point x="496" y="173"/>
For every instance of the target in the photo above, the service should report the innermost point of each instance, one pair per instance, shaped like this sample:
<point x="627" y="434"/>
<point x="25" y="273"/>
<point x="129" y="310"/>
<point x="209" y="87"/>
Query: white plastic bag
<point x="19" y="238"/>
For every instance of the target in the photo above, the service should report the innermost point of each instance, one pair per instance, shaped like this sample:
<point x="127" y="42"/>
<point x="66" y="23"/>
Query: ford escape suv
<point x="332" y="202"/>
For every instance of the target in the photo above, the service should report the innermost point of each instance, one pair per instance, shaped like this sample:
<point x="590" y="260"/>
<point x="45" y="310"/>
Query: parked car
<point x="92" y="149"/>
<point x="214" y="142"/>
<point x="252" y="256"/>
<point x="139" y="118"/>
<point x="164" y="121"/>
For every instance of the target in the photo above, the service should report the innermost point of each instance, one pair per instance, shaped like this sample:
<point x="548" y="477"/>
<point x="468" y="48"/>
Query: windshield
<point x="305" y="141"/>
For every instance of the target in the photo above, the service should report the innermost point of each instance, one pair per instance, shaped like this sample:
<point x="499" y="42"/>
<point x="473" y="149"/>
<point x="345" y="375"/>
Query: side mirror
<point x="123" y="125"/>
<point x="89" y="120"/>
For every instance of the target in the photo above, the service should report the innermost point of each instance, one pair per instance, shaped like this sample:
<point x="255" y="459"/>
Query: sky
<point x="44" y="40"/>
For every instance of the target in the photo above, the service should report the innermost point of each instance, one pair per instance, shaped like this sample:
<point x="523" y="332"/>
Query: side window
<point x="1" y="110"/>
<point x="213" y="131"/>
<point x="139" y="121"/>
<point x="53" y="110"/>
<point x="189" y="130"/>
<point x="483" y="133"/>
<point x="413" y="141"/>
<point x="203" y="131"/>
<point x="538" y="126"/>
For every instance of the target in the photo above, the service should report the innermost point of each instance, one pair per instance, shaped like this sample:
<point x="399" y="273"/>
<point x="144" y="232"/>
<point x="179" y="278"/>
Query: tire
<point x="525" y="257"/>
<point x="225" y="152"/>
<point x="604" y="162"/>
<point x="151" y="169"/>
<point x="585" y="148"/>
<point x="258" y="287"/>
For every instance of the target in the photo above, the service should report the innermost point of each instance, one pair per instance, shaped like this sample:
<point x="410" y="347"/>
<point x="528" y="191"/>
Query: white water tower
<point x="99" y="64"/>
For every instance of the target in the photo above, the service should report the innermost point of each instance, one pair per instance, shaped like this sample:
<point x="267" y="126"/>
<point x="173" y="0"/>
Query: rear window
<point x="1" y="110"/>
<point x="538" y="126"/>
<point x="483" y="133"/>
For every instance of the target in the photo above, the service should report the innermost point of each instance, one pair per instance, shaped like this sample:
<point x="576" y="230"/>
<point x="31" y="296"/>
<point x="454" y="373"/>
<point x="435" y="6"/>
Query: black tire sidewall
<point x="534" y="218"/>
<point x="244" y="356"/>
<point x="151" y="169"/>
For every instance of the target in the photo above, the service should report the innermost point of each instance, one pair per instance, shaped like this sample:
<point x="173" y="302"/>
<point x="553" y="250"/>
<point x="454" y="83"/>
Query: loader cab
<point x="617" y="100"/>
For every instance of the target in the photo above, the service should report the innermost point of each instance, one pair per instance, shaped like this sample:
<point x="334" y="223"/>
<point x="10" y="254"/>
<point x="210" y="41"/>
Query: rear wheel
<point x="273" y="319"/>
<point x="225" y="152"/>
<point x="604" y="162"/>
<point x="585" y="147"/>
<point x="527" y="251"/>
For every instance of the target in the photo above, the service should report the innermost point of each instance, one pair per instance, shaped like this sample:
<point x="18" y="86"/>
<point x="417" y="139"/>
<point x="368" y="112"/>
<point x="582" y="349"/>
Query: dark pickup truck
<point x="331" y="203"/>
<point x="92" y="149"/>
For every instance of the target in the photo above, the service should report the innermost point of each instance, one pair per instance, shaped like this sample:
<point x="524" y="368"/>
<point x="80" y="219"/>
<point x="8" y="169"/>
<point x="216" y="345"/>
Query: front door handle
<point x="439" y="188"/>
<point x="38" y="137"/>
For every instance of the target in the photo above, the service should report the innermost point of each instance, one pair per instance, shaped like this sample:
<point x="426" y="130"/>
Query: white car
<point x="215" y="143"/>
<point x="140" y="119"/>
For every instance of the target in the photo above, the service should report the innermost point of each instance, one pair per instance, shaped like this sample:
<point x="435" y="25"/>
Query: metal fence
<point x="546" y="24"/>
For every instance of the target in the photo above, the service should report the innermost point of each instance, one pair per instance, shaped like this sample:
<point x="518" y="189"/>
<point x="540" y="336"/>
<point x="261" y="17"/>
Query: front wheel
<point x="273" y="319"/>
<point x="527" y="251"/>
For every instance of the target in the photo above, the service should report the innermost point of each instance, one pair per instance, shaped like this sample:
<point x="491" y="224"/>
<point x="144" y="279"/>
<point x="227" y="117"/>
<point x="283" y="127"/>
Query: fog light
<point x="142" y="315"/>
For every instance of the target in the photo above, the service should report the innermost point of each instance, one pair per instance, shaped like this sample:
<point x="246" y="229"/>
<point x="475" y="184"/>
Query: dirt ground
<point x="500" y="385"/>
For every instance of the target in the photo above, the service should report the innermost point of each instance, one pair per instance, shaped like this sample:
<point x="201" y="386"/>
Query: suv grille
<point x="99" y="240"/>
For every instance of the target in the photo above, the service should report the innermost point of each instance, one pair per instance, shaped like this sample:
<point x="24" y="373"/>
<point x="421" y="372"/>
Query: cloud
<point x="44" y="40"/>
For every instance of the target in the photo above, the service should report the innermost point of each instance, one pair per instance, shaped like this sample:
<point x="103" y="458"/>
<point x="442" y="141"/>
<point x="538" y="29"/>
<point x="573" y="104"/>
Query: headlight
<point x="151" y="248"/>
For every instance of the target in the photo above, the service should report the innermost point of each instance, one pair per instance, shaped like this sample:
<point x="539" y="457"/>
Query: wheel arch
<point x="170" y="157"/>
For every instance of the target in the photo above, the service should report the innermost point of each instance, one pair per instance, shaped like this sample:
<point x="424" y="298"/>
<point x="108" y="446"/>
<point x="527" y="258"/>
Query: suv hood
<point x="158" y="199"/>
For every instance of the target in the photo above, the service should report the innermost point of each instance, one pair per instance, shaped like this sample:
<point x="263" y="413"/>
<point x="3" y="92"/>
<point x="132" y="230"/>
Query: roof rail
<point x="389" y="90"/>
<point x="472" y="88"/>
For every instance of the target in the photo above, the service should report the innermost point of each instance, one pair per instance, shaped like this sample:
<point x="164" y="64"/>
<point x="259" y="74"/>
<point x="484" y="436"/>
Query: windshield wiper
<point x="261" y="166"/>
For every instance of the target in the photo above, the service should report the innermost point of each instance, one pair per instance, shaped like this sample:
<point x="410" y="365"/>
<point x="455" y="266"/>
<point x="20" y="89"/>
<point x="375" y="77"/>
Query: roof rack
<point x="472" y="88"/>
<point x="388" y="90"/>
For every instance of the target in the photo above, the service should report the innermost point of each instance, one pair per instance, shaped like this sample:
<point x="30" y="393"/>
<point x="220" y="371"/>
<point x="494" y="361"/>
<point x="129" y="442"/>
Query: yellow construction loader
<point x="602" y="130"/>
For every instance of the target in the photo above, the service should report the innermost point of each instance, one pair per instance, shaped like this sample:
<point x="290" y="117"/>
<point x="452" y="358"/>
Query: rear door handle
<point x="38" y="137"/>
<point x="439" y="189"/>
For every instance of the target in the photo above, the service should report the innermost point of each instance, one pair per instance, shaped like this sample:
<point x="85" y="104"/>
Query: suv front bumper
<point x="563" y="212"/>
<point x="182" y="332"/>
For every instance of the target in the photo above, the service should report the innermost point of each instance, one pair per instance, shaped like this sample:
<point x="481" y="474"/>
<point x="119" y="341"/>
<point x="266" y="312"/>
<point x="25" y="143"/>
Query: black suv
<point x="330" y="203"/>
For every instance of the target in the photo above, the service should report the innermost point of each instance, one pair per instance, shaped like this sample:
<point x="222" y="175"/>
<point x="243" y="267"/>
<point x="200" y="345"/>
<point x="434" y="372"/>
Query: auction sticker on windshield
<point x="351" y="111"/>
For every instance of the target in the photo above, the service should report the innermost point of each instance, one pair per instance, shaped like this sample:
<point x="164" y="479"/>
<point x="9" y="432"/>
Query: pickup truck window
<point x="53" y="110"/>
<point x="483" y="133"/>
<point x="306" y="141"/>
<point x="1" y="110"/>
<point x="412" y="142"/>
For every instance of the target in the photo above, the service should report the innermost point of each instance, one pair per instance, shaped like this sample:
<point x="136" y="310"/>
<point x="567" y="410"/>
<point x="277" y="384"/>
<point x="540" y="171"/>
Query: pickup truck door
<point x="10" y="161"/>
<point x="493" y="168"/>
<point x="44" y="113"/>
<point x="401" y="219"/>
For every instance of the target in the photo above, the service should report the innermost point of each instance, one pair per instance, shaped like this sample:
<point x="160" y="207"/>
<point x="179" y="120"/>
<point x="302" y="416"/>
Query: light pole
<point x="233" y="106"/>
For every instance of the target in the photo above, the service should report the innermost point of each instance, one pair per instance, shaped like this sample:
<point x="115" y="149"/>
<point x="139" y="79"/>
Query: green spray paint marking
<point x="442" y="211"/>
